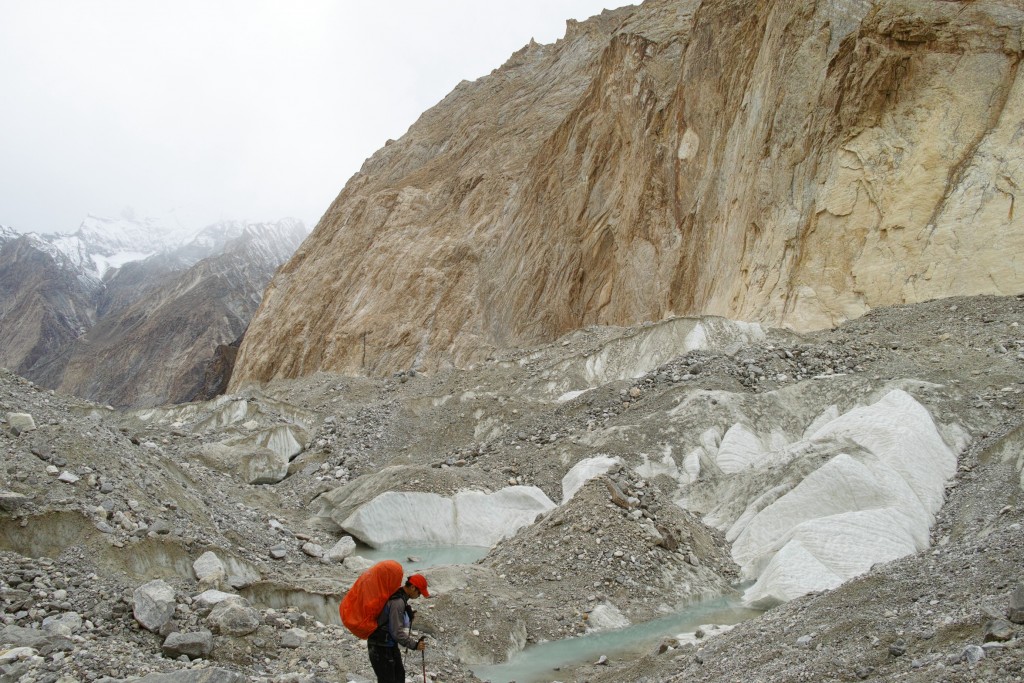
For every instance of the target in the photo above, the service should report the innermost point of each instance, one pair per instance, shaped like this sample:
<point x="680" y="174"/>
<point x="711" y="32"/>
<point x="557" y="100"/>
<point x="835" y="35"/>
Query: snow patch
<point x="101" y="263"/>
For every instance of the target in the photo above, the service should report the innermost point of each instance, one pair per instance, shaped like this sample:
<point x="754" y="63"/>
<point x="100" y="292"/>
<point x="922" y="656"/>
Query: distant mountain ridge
<point x="122" y="315"/>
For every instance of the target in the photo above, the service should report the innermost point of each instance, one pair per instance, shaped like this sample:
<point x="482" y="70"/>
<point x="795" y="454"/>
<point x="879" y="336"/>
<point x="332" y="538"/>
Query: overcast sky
<point x="236" y="109"/>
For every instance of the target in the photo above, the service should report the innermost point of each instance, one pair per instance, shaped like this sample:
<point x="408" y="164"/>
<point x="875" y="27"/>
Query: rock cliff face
<point x="792" y="162"/>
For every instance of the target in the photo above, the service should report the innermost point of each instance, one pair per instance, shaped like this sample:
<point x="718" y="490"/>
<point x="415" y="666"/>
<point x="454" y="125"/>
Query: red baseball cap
<point x="420" y="582"/>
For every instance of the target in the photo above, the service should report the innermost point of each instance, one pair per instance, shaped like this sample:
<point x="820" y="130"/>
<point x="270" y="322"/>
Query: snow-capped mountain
<point x="274" y="240"/>
<point x="130" y="234"/>
<point x="100" y="244"/>
<point x="130" y="316"/>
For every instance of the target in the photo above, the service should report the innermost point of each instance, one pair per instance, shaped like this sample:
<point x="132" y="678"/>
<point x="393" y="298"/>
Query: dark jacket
<point x="393" y="623"/>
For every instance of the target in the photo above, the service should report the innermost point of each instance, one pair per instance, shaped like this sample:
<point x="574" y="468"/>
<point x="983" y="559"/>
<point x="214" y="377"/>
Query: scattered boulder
<point x="211" y="598"/>
<point x="615" y="494"/>
<point x="340" y="550"/>
<point x="209" y="569"/>
<point x="261" y="465"/>
<point x="20" y="423"/>
<point x="606" y="617"/>
<point x="160" y="527"/>
<point x="312" y="549"/>
<point x="234" y="618"/>
<point x="357" y="563"/>
<point x="64" y="625"/>
<point x="17" y="654"/>
<point x="972" y="654"/>
<point x="10" y="501"/>
<point x="154" y="604"/>
<point x="34" y="638"/>
<point x="293" y="638"/>
<point x="195" y="645"/>
<point x="667" y="644"/>
<point x="998" y="630"/>
<point x="1015" y="612"/>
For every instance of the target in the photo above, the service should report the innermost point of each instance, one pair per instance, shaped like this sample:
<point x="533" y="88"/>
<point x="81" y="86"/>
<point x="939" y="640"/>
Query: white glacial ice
<point x="467" y="518"/>
<point x="872" y="502"/>
<point x="584" y="471"/>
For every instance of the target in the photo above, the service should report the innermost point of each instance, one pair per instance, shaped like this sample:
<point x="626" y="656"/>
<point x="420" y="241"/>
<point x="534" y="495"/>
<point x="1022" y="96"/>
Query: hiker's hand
<point x="422" y="645"/>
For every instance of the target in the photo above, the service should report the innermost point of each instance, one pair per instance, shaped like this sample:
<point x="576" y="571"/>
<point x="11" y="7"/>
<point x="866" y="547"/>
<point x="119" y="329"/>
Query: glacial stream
<point x="541" y="663"/>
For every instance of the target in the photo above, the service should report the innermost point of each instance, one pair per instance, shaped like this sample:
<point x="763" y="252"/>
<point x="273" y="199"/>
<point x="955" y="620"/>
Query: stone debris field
<point x="862" y="485"/>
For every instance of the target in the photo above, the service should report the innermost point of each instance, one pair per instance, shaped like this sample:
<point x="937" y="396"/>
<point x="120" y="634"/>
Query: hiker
<point x="393" y="631"/>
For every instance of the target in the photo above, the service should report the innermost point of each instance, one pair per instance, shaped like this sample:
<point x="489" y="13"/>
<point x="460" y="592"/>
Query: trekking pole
<point x="423" y="658"/>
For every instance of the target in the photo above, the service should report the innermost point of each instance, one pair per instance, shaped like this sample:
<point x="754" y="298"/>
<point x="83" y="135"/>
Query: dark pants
<point x="386" y="663"/>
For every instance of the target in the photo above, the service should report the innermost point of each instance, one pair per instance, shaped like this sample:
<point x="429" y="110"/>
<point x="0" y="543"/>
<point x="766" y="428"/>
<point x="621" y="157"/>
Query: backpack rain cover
<point x="366" y="598"/>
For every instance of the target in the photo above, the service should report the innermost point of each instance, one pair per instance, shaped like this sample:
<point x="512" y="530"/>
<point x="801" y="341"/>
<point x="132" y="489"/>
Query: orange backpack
<point x="366" y="598"/>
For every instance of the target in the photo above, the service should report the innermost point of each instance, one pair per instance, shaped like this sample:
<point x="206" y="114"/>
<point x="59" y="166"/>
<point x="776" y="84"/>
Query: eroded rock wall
<point x="792" y="162"/>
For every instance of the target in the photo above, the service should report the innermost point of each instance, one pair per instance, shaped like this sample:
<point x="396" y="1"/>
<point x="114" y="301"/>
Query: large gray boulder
<point x="294" y="638"/>
<point x="263" y="466"/>
<point x="20" y="423"/>
<point x="11" y="501"/>
<point x="23" y="637"/>
<point x="1015" y="611"/>
<point x="209" y="569"/>
<point x="233" y="618"/>
<point x="214" y="597"/>
<point x="154" y="605"/>
<point x="221" y="457"/>
<point x="195" y="645"/>
<point x="340" y="550"/>
<point x="63" y="625"/>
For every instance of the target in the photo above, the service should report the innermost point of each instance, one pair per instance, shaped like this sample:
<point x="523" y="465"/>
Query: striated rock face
<point x="788" y="161"/>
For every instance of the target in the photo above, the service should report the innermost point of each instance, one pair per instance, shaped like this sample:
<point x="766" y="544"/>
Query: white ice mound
<point x="636" y="351"/>
<point x="467" y="518"/>
<point x="740" y="448"/>
<point x="874" y="502"/>
<point x="584" y="471"/>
